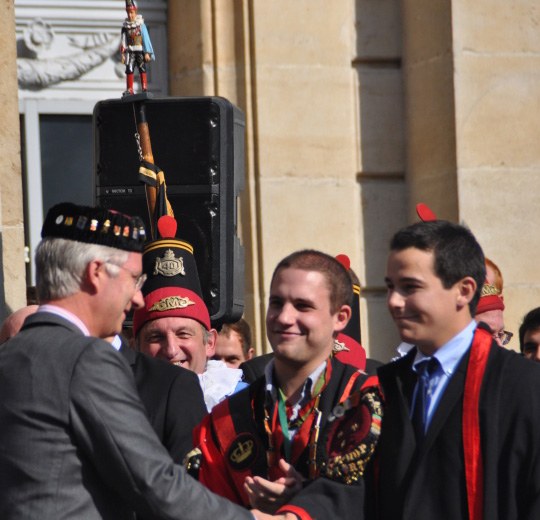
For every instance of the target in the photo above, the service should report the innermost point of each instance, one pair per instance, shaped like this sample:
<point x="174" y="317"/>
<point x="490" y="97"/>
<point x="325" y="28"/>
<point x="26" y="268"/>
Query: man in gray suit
<point x="74" y="438"/>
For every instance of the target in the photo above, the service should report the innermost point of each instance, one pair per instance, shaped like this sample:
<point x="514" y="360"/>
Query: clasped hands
<point x="266" y="496"/>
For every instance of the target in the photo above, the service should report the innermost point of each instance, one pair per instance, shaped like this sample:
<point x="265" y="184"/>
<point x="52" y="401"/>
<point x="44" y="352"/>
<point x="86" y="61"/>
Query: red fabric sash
<point x="301" y="513"/>
<point x="474" y="470"/>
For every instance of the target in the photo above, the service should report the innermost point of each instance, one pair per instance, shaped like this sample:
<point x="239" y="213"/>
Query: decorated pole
<point x="136" y="50"/>
<point x="149" y="173"/>
<point x="147" y="161"/>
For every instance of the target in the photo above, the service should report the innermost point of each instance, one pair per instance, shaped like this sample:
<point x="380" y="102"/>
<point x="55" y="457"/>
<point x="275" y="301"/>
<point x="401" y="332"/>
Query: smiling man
<point x="75" y="441"/>
<point x="260" y="446"/>
<point x="174" y="322"/>
<point x="457" y="436"/>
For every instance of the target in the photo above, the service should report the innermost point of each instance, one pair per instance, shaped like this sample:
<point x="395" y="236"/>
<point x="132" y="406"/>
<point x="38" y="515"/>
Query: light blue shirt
<point x="448" y="356"/>
<point x="117" y="342"/>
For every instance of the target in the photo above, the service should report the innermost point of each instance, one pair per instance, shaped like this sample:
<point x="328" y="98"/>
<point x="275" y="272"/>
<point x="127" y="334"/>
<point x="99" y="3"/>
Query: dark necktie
<point x="425" y="369"/>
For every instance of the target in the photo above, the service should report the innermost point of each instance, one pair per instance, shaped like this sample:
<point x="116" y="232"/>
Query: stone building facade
<point x="355" y="111"/>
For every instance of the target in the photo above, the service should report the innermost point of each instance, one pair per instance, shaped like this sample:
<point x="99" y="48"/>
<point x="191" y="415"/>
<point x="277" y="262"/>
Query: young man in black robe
<point x="462" y="416"/>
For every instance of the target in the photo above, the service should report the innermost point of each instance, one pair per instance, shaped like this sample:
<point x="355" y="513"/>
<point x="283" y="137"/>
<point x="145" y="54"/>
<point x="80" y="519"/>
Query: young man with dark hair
<point x="458" y="440"/>
<point x="529" y="335"/>
<point x="257" y="447"/>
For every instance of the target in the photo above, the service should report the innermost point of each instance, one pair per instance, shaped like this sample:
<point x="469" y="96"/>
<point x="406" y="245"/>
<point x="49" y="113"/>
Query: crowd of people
<point x="174" y="417"/>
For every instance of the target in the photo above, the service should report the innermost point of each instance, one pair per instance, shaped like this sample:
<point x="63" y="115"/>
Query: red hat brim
<point x="170" y="302"/>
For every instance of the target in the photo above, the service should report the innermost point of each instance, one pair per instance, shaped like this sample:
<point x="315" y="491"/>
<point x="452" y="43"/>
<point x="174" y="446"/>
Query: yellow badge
<point x="170" y="303"/>
<point x="489" y="290"/>
<point x="242" y="452"/>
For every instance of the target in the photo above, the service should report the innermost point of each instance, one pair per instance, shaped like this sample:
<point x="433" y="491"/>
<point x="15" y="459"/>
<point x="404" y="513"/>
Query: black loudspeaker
<point x="199" y="144"/>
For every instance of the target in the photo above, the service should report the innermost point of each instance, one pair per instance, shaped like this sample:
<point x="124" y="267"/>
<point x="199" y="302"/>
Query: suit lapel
<point x="406" y="381"/>
<point x="397" y="434"/>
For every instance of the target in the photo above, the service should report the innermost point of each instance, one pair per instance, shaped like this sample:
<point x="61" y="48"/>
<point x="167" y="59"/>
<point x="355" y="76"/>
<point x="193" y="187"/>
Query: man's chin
<point x="282" y="351"/>
<point x="408" y="336"/>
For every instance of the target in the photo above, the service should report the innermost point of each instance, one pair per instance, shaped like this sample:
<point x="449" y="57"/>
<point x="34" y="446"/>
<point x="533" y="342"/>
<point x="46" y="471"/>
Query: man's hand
<point x="269" y="496"/>
<point x="147" y="57"/>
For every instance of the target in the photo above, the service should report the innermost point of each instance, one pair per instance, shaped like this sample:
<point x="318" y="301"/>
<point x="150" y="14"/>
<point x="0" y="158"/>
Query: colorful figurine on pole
<point x="136" y="47"/>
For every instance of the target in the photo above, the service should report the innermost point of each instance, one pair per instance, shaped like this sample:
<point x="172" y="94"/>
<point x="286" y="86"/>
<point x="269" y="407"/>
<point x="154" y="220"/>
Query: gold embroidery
<point x="489" y="290"/>
<point x="171" y="302"/>
<point x="242" y="451"/>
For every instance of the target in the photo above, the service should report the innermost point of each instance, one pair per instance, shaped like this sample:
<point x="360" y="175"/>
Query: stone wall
<point x="353" y="115"/>
<point x="12" y="273"/>
<point x="472" y="79"/>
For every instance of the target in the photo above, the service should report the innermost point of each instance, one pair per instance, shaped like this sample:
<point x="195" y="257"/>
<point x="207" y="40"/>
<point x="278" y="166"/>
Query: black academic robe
<point x="254" y="367"/>
<point x="428" y="482"/>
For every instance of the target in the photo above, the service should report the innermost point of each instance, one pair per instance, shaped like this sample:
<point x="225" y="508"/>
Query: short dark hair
<point x="242" y="328"/>
<point x="531" y="321"/>
<point x="337" y="277"/>
<point x="456" y="252"/>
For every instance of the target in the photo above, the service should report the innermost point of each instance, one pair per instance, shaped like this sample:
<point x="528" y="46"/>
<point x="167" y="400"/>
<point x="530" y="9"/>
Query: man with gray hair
<point x="75" y="441"/>
<point x="174" y="322"/>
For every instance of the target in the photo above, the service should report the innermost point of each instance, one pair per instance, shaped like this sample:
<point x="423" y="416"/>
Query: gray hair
<point x="60" y="265"/>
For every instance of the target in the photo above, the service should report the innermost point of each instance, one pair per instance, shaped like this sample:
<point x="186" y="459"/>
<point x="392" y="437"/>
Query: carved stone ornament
<point x="36" y="73"/>
<point x="38" y="36"/>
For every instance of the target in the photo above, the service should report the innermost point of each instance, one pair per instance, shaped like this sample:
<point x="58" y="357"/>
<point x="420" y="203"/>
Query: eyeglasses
<point x="138" y="279"/>
<point x="503" y="336"/>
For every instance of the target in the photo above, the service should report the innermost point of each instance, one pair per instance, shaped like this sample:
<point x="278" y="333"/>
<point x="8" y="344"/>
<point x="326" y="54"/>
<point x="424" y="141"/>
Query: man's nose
<point x="394" y="300"/>
<point x="171" y="345"/>
<point x="286" y="314"/>
<point x="138" y="300"/>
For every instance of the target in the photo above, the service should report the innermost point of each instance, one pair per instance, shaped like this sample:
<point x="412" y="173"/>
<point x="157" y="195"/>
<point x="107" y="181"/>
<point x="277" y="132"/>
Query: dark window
<point x="66" y="159"/>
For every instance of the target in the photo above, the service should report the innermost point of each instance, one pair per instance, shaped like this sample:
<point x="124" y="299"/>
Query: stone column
<point x="381" y="161"/>
<point x="497" y="99"/>
<point x="13" y="277"/>
<point x="288" y="66"/>
<point x="428" y="70"/>
<point x="210" y="54"/>
<point x="472" y="98"/>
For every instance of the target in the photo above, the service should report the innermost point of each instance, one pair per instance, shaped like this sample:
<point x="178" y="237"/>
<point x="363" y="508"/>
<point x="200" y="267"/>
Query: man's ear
<point x="466" y="291"/>
<point x="211" y="345"/>
<point x="93" y="276"/>
<point x="342" y="318"/>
